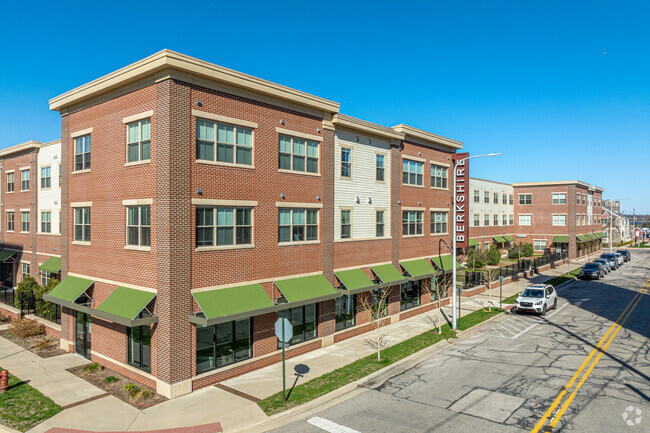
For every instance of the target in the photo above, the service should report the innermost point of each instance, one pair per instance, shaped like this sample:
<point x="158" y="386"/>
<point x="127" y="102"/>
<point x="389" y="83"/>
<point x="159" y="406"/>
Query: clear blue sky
<point x="527" y="79"/>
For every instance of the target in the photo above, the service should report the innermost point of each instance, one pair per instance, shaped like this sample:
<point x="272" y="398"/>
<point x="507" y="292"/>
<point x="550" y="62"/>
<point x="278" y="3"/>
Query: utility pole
<point x="611" y="226"/>
<point x="634" y="224"/>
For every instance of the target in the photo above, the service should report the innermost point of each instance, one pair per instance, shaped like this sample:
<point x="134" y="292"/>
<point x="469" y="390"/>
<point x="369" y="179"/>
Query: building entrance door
<point x="82" y="334"/>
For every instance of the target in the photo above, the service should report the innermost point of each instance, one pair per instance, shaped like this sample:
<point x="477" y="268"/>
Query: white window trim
<point x="234" y="246"/>
<point x="432" y="163"/>
<point x="298" y="205"/>
<point x="302" y="206"/>
<point x="351" y="210"/>
<point x="385" y="155"/>
<point x="81" y="204"/>
<point x="224" y="119"/>
<point x="126" y="225"/>
<point x="138" y="202"/>
<point x="21" y="180"/>
<point x="81" y="133"/>
<point x="519" y="221"/>
<point x="445" y="211"/>
<point x="351" y="149"/>
<point x="40" y="169"/>
<point x="137" y="117"/>
<point x="126" y="144"/>
<point x="385" y="211"/>
<point x="299" y="134"/>
<point x="414" y="159"/>
<point x="40" y="222"/>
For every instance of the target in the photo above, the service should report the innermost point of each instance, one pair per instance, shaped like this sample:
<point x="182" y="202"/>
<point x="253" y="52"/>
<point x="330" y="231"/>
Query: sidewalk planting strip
<point x="363" y="367"/>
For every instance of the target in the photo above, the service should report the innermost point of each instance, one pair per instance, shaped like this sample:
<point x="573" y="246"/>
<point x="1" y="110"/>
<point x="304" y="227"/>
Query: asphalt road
<point x="506" y="377"/>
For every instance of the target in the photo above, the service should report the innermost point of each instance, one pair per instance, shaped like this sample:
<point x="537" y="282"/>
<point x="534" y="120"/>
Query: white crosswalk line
<point x="329" y="426"/>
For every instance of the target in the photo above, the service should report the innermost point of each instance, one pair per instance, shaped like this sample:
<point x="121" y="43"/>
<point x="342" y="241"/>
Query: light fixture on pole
<point x="454" y="315"/>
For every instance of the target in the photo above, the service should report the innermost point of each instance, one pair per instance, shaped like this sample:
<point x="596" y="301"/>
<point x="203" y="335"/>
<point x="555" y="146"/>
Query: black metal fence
<point x="30" y="304"/>
<point x="473" y="279"/>
<point x="7" y="295"/>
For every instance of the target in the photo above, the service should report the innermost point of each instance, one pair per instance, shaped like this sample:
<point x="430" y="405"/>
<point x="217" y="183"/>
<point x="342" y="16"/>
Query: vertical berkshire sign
<point x="461" y="198"/>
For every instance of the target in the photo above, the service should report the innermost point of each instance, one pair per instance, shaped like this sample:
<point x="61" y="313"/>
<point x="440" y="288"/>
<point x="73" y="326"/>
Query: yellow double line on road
<point x="600" y="349"/>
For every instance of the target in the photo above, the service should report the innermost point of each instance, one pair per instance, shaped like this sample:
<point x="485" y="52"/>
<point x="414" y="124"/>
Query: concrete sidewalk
<point x="232" y="403"/>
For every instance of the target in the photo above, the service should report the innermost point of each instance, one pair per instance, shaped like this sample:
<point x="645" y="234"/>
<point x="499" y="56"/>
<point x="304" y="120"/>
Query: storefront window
<point x="344" y="312"/>
<point x="140" y="347"/>
<point x="410" y="295"/>
<point x="304" y="322"/>
<point x="223" y="344"/>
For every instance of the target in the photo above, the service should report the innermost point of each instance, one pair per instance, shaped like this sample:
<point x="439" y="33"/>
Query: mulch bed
<point x="30" y="343"/>
<point x="117" y="388"/>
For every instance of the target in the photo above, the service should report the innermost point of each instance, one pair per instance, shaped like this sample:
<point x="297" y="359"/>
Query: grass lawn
<point x="556" y="281"/>
<point x="22" y="407"/>
<point x="365" y="366"/>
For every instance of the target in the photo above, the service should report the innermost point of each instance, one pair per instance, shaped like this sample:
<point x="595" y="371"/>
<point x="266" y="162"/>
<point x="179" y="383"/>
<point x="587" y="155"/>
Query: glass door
<point x="82" y="334"/>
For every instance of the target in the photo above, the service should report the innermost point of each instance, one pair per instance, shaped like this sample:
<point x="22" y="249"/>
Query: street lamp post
<point x="454" y="314"/>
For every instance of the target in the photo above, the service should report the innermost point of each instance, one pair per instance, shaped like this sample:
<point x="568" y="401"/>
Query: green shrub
<point x="92" y="368"/>
<point x="110" y="379"/>
<point x="44" y="308"/>
<point x="493" y="255"/>
<point x="528" y="250"/>
<point x="27" y="285"/>
<point x="475" y="258"/>
<point x="520" y="251"/>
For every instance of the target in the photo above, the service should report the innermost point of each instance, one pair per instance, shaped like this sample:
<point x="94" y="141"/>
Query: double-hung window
<point x="559" y="220"/>
<point x="294" y="152"/>
<point x="25" y="269"/>
<point x="438" y="222"/>
<point x="46" y="222"/>
<point x="223" y="226"/>
<point x="223" y="344"/>
<point x="496" y="219"/>
<point x="505" y="220"/>
<point x="486" y="197"/>
<point x="346" y="162"/>
<point x="504" y="199"/>
<point x="10" y="221"/>
<point x="82" y="153"/>
<point x="46" y="177"/>
<point x="138" y="141"/>
<point x="412" y="172"/>
<point x="409" y="295"/>
<point x="578" y="219"/>
<point x="82" y="224"/>
<point x="24" y="180"/>
<point x="297" y="225"/>
<point x="559" y="198"/>
<point x="438" y="176"/>
<point x="511" y="199"/>
<point x="10" y="182"/>
<point x="411" y="223"/>
<point x="346" y="224"/>
<point x="525" y="199"/>
<point x="24" y="222"/>
<point x="379" y="168"/>
<point x="511" y="219"/>
<point x="477" y="196"/>
<point x="486" y="220"/>
<point x="138" y="226"/>
<point x="477" y="220"/>
<point x="223" y="143"/>
<point x="496" y="198"/>
<point x="45" y="277"/>
<point x="539" y="245"/>
<point x="525" y="220"/>
<point x="379" y="223"/>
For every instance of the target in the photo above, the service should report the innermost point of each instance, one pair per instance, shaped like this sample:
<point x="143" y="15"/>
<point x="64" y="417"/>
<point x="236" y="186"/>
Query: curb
<point x="359" y="386"/>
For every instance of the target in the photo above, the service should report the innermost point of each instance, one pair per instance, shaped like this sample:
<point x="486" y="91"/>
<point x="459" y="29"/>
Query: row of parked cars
<point x="604" y="265"/>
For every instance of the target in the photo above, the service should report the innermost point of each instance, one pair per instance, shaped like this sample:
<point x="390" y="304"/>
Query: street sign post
<point x="284" y="332"/>
<point x="500" y="290"/>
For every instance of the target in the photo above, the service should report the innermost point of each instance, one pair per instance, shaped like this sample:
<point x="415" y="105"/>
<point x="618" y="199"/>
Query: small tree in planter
<point x="26" y="286"/>
<point x="440" y="289"/>
<point x="491" y="275"/>
<point x="378" y="317"/>
<point x="493" y="255"/>
<point x="476" y="258"/>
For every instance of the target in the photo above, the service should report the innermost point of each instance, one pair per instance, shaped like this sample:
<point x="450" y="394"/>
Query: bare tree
<point x="491" y="274"/>
<point x="377" y="306"/>
<point x="441" y="290"/>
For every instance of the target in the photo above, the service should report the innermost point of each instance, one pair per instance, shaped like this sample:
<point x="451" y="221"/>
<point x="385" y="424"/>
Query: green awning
<point x="388" y="274"/>
<point x="509" y="238"/>
<point x="126" y="302"/>
<point x="8" y="256"/>
<point x="232" y="303"/>
<point x="582" y="238"/>
<point x="418" y="268"/>
<point x="473" y="243"/>
<point x="305" y="290"/>
<point x="602" y="235"/>
<point x="591" y="236"/>
<point x="561" y="239"/>
<point x="53" y="265"/>
<point x="498" y="239"/>
<point x="355" y="280"/>
<point x="446" y="263"/>
<point x="70" y="288"/>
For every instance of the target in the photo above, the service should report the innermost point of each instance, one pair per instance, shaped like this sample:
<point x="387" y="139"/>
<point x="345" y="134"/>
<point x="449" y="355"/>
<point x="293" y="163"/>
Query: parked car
<point x="536" y="298"/>
<point x="620" y="259"/>
<point x="601" y="266"/>
<point x="625" y="254"/>
<point x="592" y="271"/>
<point x="611" y="259"/>
<point x="606" y="265"/>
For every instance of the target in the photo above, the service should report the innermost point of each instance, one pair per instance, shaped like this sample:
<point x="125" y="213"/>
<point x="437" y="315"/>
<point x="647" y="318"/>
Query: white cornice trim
<point x="138" y="116"/>
<point x="298" y="134"/>
<point x="427" y="137"/>
<point x="217" y="202"/>
<point x="224" y="119"/>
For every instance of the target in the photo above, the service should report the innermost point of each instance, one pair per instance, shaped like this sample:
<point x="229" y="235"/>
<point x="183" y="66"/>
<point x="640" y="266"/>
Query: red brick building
<point x="199" y="204"/>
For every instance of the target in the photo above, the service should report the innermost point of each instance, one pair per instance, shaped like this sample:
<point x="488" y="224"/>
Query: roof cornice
<point x="553" y="183"/>
<point x="27" y="145"/>
<point x="170" y="60"/>
<point x="427" y="137"/>
<point x="342" y="120"/>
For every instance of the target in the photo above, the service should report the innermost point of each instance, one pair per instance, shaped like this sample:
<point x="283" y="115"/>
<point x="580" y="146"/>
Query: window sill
<point x="440" y="234"/>
<point x="80" y="243"/>
<point x="10" y="231"/>
<point x="412" y="236"/>
<point x="10" y="192"/>
<point x="136" y="248"/>
<point x="382" y="238"/>
<point x="288" y="244"/>
<point x="225" y="164"/>
<point x="80" y="171"/>
<point x="24" y="190"/>
<point x="300" y="173"/>
<point x="441" y="189"/>
<point x="48" y="234"/>
<point x="412" y="186"/>
<point x="46" y="188"/>
<point x="131" y="164"/>
<point x="24" y="233"/>
<point x="225" y="247"/>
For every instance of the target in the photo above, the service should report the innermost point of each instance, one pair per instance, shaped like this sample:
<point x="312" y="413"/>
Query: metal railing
<point x="30" y="304"/>
<point x="7" y="295"/>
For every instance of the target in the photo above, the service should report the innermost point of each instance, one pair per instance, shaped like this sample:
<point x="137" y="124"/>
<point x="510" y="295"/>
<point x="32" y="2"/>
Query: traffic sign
<point x="288" y="330"/>
<point x="500" y="279"/>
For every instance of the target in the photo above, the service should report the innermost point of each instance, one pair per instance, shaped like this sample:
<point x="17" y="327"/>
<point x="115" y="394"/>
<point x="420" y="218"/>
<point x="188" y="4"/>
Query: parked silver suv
<point x="536" y="298"/>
